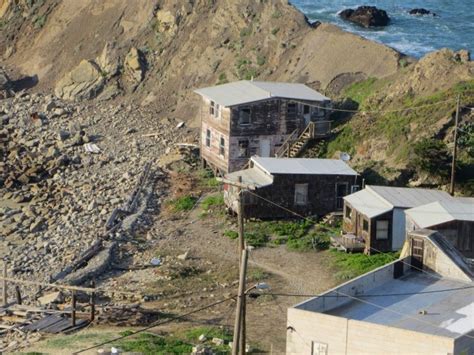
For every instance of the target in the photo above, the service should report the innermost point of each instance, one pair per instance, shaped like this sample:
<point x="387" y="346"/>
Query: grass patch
<point x="222" y="79"/>
<point x="213" y="201"/>
<point x="360" y="90"/>
<point x="192" y="335"/>
<point x="275" y="30"/>
<point x="206" y="179"/>
<point x="184" y="203"/>
<point x="344" y="142"/>
<point x="231" y="234"/>
<point x="353" y="265"/>
<point x="147" y="343"/>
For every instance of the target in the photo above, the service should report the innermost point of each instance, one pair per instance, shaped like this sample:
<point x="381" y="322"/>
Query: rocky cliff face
<point x="161" y="50"/>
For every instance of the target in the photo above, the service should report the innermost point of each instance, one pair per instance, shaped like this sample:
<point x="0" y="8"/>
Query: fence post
<point x="92" y="302"/>
<point x="18" y="294"/>
<point x="73" y="314"/>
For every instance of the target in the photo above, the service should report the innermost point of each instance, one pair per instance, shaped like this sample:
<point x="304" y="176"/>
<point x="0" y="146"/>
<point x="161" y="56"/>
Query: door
<point x="417" y="254"/>
<point x="306" y="115"/>
<point x="341" y="191"/>
<point x="265" y="148"/>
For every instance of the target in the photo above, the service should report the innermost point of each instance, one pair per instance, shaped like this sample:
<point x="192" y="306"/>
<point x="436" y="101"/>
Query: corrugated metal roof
<point x="304" y="166"/>
<point x="439" y="212"/>
<point x="368" y="203"/>
<point x="253" y="176"/>
<point x="406" y="197"/>
<point x="245" y="91"/>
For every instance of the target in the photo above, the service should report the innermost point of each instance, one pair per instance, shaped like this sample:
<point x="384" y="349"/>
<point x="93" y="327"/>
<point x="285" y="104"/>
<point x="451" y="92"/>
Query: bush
<point x="148" y="343"/>
<point x="353" y="265"/>
<point x="432" y="157"/>
<point x="210" y="201"/>
<point x="256" y="239"/>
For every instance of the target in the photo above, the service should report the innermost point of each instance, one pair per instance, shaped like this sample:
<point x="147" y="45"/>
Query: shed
<point x="280" y="186"/>
<point x="376" y="214"/>
<point x="454" y="219"/>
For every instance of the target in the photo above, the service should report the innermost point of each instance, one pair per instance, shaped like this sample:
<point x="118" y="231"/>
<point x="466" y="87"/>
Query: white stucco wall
<point x="398" y="229"/>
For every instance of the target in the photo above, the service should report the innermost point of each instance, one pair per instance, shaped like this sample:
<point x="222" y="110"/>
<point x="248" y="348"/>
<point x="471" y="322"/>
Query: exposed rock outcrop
<point x="367" y="16"/>
<point x="134" y="67"/>
<point x="5" y="85"/>
<point x="421" y="11"/>
<point x="84" y="82"/>
<point x="108" y="60"/>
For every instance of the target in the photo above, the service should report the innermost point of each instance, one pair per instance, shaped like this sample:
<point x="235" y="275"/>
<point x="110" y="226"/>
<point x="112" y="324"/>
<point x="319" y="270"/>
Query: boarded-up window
<point x="348" y="212"/>
<point x="222" y="146"/>
<point x="292" y="109"/>
<point x="301" y="194"/>
<point x="208" y="138"/>
<point x="244" y="115"/>
<point x="306" y="109"/>
<point x="244" y="149"/>
<point x="365" y="225"/>
<point x="382" y="230"/>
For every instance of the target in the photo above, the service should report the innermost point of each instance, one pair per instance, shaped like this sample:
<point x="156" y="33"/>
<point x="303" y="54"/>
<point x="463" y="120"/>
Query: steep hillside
<point x="403" y="130"/>
<point x="184" y="45"/>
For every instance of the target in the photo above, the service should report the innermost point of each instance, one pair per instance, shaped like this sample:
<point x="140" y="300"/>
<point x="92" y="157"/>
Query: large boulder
<point x="367" y="16"/>
<point x="134" y="67"/>
<point x="84" y="82"/>
<point x="108" y="60"/>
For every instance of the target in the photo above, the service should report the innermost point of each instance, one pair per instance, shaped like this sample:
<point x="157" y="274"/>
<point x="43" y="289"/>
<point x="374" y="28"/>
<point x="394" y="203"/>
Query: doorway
<point x="417" y="254"/>
<point x="264" y="148"/>
<point x="341" y="191"/>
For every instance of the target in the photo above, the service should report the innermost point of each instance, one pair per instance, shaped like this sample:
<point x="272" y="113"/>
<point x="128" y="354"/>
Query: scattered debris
<point x="91" y="148"/>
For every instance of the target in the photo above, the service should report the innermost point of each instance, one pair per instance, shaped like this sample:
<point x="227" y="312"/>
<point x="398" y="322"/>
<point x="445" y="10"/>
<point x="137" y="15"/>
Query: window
<point x="301" y="194"/>
<point x="208" y="138"/>
<point x="244" y="149"/>
<point x="215" y="109"/>
<point x="306" y="109"/>
<point x="244" y="116"/>
<point x="382" y="230"/>
<point x="355" y="188"/>
<point x="348" y="212"/>
<point x="319" y="348"/>
<point x="292" y="109"/>
<point x="222" y="147"/>
<point x="365" y="225"/>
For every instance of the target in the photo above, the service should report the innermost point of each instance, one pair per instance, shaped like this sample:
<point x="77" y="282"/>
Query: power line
<point x="156" y="324"/>
<point x="373" y="295"/>
<point x="372" y="111"/>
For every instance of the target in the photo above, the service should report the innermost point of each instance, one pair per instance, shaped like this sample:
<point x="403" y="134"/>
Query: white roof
<point x="245" y="91"/>
<point x="303" y="166"/>
<point x="253" y="177"/>
<point x="376" y="200"/>
<point x="440" y="212"/>
<point x="406" y="197"/>
<point x="369" y="203"/>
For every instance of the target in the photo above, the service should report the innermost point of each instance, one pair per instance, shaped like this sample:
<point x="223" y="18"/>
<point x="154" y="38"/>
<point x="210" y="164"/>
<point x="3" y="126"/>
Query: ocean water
<point x="413" y="35"/>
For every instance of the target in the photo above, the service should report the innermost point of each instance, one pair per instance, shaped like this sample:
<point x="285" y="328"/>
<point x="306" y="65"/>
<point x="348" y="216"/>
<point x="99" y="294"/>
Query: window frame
<point x="296" y="200"/>
<point x="365" y="222"/>
<point x="222" y="146"/>
<point x="292" y="104"/>
<point x="346" y="214"/>
<point x="241" y="110"/>
<point x="247" y="148"/>
<point x="208" y="138"/>
<point x="386" y="230"/>
<point x="212" y="108"/>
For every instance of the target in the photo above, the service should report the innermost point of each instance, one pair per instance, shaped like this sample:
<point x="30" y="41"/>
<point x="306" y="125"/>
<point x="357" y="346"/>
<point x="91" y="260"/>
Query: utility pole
<point x="455" y="148"/>
<point x="236" y="343"/>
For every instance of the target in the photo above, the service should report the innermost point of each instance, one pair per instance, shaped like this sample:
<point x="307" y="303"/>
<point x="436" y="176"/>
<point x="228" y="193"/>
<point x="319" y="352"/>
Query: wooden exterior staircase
<point x="295" y="143"/>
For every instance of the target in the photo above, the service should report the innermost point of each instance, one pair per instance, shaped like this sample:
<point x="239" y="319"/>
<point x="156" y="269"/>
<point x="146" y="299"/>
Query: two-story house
<point x="246" y="118"/>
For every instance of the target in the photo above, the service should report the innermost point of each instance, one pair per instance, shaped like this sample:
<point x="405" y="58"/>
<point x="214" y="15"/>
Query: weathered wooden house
<point x="268" y="119"/>
<point x="375" y="216"/>
<point x="454" y="219"/>
<point x="309" y="187"/>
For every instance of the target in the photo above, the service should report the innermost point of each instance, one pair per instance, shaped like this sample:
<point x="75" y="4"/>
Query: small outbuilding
<point x="454" y="219"/>
<point x="376" y="214"/>
<point x="280" y="186"/>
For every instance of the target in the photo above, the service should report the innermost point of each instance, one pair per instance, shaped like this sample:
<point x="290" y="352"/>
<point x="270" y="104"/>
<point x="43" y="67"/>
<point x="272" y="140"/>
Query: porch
<point x="348" y="243"/>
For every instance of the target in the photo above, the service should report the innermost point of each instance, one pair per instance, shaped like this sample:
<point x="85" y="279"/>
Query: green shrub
<point x="222" y="79"/>
<point x="277" y="14"/>
<point x="261" y="60"/>
<point x="360" y="90"/>
<point x="353" y="265"/>
<point x="432" y="157"/>
<point x="256" y="239"/>
<point x="275" y="30"/>
<point x="184" y="203"/>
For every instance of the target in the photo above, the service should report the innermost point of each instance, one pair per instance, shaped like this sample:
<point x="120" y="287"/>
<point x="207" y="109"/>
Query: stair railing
<point x="285" y="147"/>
